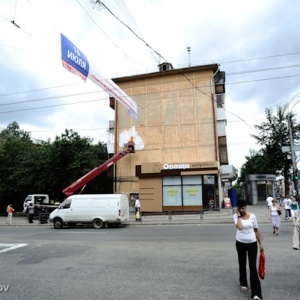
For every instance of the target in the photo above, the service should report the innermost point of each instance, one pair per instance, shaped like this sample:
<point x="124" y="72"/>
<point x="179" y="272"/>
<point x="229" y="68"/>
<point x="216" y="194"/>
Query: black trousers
<point x="30" y="218"/>
<point x="250" y="250"/>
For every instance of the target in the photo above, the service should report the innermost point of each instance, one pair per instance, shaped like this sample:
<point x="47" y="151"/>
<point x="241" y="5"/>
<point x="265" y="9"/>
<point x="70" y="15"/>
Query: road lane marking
<point x="9" y="247"/>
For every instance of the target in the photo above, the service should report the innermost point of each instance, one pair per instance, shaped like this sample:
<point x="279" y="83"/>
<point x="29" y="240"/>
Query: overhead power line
<point x="256" y="58"/>
<point x="48" y="106"/>
<point x="106" y="34"/>
<point x="140" y="38"/>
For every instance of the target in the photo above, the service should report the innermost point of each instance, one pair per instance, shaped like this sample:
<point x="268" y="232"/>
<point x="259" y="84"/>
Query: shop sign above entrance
<point x="175" y="166"/>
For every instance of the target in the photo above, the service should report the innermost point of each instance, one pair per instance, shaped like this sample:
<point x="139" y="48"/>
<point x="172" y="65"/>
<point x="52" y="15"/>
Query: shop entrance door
<point x="209" y="198"/>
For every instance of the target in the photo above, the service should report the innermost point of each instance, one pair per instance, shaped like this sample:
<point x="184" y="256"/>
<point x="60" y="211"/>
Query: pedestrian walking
<point x="296" y="235"/>
<point x="294" y="210"/>
<point x="30" y="212"/>
<point x="287" y="207"/>
<point x="275" y="212"/>
<point x="10" y="211"/>
<point x="269" y="201"/>
<point x="137" y="206"/>
<point x="278" y="198"/>
<point x="247" y="236"/>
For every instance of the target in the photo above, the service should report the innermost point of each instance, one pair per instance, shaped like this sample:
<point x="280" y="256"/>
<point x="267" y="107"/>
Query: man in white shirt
<point x="269" y="201"/>
<point x="137" y="205"/>
<point x="287" y="206"/>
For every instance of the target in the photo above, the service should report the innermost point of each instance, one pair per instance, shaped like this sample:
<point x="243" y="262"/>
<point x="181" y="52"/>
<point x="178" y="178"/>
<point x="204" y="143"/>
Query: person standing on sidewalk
<point x="287" y="206"/>
<point x="137" y="206"/>
<point x="294" y="210"/>
<point x="269" y="201"/>
<point x="10" y="211"/>
<point x="275" y="210"/>
<point x="247" y="236"/>
<point x="30" y="212"/>
<point x="296" y="235"/>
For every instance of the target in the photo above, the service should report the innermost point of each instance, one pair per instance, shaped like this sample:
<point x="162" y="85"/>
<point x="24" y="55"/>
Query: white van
<point x="98" y="210"/>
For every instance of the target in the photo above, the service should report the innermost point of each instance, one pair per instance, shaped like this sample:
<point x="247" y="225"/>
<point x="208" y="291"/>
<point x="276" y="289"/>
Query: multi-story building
<point x="180" y="138"/>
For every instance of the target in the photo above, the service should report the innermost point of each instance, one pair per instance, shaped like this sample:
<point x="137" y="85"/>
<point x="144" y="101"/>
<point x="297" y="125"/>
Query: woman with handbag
<point x="247" y="237"/>
<point x="294" y="210"/>
<point x="275" y="212"/>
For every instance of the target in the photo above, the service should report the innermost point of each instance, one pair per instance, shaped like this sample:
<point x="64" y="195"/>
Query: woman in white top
<point x="247" y="236"/>
<point x="275" y="217"/>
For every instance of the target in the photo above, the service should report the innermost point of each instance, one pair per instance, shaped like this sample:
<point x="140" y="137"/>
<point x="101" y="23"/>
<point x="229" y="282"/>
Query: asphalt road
<point x="195" y="261"/>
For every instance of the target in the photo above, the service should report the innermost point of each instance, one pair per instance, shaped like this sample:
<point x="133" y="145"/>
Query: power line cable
<point x="107" y="35"/>
<point x="48" y="106"/>
<point x="227" y="83"/>
<point x="48" y="98"/>
<point x="123" y="7"/>
<point x="159" y="55"/>
<point x="41" y="89"/>
<point x="257" y="58"/>
<point x="262" y="70"/>
<point x="144" y="40"/>
<point x="91" y="92"/>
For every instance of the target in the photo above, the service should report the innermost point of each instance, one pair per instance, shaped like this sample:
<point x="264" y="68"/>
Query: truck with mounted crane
<point x="81" y="182"/>
<point x="98" y="210"/>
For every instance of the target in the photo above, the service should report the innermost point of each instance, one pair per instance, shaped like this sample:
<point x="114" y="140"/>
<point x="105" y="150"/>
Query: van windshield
<point x="66" y="204"/>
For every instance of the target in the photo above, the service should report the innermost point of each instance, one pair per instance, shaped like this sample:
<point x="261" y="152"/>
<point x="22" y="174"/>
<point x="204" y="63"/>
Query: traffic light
<point x="296" y="177"/>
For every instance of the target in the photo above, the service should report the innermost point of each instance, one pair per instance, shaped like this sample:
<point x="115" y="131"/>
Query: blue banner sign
<point x="73" y="59"/>
<point x="76" y="62"/>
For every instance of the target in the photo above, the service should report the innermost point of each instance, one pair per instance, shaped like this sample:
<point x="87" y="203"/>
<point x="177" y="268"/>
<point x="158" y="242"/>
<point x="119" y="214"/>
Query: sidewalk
<point x="208" y="217"/>
<point x="225" y="215"/>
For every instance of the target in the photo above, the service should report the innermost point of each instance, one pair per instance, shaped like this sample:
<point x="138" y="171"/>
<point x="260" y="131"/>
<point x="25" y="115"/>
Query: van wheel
<point x="58" y="224"/>
<point x="97" y="223"/>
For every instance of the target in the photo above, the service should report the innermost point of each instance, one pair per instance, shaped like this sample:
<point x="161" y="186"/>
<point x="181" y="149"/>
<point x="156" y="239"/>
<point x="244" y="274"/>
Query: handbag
<point x="262" y="265"/>
<point x="279" y="212"/>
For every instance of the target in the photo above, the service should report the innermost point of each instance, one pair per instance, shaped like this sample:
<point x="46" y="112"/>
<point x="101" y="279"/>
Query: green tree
<point x="71" y="157"/>
<point x="13" y="131"/>
<point x="16" y="150"/>
<point x="47" y="168"/>
<point x="273" y="133"/>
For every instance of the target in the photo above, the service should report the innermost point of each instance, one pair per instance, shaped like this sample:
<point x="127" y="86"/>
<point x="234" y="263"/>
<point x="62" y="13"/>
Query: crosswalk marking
<point x="9" y="247"/>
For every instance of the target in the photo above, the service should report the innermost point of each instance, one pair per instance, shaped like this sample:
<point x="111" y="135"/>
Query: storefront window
<point x="172" y="191"/>
<point x="192" y="190"/>
<point x="182" y="191"/>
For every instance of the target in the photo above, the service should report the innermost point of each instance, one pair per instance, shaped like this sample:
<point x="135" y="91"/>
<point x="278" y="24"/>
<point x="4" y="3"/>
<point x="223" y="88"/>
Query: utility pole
<point x="294" y="164"/>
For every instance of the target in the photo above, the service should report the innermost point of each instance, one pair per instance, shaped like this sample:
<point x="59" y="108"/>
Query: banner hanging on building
<point x="76" y="62"/>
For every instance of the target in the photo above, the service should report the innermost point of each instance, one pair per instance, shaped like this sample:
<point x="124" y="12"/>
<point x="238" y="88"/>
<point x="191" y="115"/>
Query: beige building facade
<point x="179" y="137"/>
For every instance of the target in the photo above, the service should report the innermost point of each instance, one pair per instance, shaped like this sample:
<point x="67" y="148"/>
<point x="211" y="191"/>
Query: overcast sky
<point x="257" y="44"/>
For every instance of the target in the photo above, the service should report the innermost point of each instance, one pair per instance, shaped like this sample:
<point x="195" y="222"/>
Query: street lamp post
<point x="294" y="164"/>
<point x="293" y="149"/>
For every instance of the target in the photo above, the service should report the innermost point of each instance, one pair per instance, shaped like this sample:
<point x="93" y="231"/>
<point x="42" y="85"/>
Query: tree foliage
<point x="47" y="168"/>
<point x="273" y="133"/>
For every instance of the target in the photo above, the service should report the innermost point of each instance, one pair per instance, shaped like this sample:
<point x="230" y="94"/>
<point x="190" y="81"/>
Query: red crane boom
<point x="98" y="170"/>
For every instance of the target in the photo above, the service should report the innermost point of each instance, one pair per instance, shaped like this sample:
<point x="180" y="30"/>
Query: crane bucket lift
<point x="98" y="170"/>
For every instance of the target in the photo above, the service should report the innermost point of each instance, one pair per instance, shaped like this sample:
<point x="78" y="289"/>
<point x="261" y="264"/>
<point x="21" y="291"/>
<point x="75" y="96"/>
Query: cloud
<point x="255" y="42"/>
